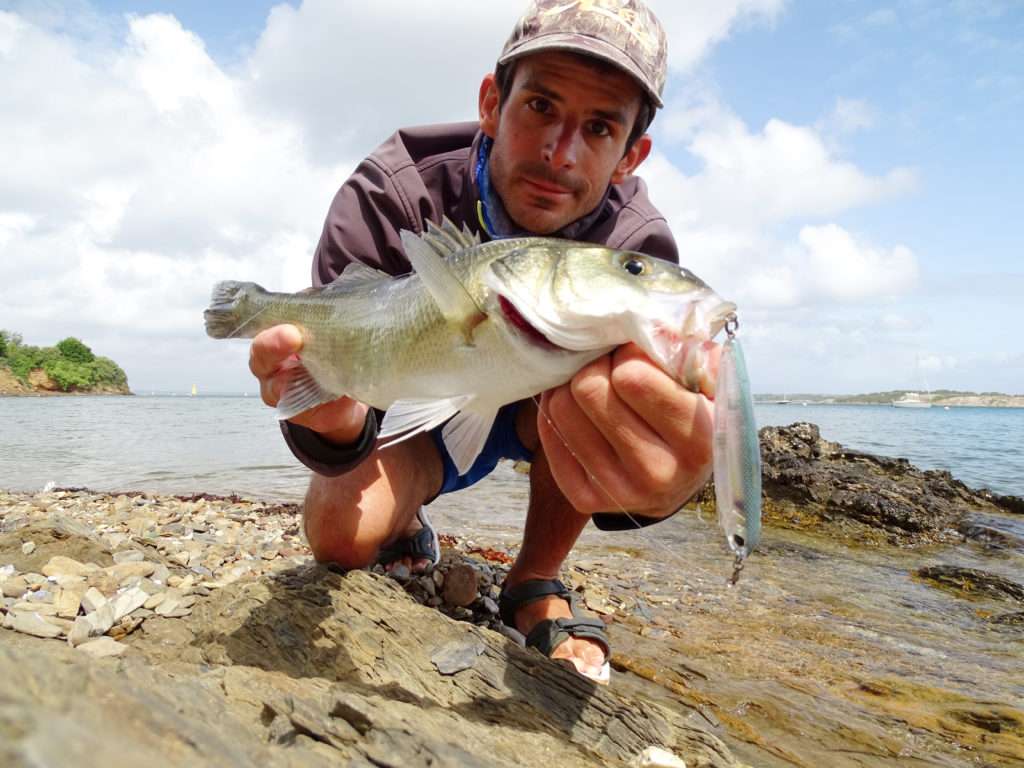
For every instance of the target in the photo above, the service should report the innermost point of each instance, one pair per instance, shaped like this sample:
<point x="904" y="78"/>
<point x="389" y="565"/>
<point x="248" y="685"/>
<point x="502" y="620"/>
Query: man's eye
<point x="600" y="128"/>
<point x="543" y="106"/>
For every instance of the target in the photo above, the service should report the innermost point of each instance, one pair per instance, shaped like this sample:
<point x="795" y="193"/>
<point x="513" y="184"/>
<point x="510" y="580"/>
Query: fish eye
<point x="634" y="266"/>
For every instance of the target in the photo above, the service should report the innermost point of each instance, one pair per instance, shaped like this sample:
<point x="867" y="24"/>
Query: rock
<point x="28" y="548"/>
<point x="31" y="624"/>
<point x="15" y="587"/>
<point x="971" y="582"/>
<point x="400" y="572"/>
<point x="68" y="602"/>
<point x="460" y="585"/>
<point x="127" y="570"/>
<point x="80" y="632"/>
<point x="490" y="606"/>
<point x="65" y="566"/>
<point x="457" y="656"/>
<point x="811" y="482"/>
<point x="93" y="600"/>
<point x="102" y="647"/>
<point x="129" y="556"/>
<point x="657" y="757"/>
<point x="127" y="602"/>
<point x="101" y="620"/>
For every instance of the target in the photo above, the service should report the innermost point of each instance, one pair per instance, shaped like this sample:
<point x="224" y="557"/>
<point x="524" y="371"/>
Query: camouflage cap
<point x="622" y="32"/>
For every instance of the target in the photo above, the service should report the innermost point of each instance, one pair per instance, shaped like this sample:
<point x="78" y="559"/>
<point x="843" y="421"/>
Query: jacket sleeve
<point x="655" y="239"/>
<point x="363" y="224"/>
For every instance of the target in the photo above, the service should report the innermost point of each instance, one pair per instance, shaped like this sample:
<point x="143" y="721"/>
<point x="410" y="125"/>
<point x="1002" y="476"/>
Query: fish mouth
<point x="520" y="323"/>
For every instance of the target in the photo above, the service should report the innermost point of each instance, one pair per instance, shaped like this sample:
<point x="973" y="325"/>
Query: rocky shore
<point x="211" y="638"/>
<point x="41" y="385"/>
<point x="198" y="631"/>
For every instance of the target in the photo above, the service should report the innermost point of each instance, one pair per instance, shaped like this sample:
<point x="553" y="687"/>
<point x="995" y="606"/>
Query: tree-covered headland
<point x="69" y="364"/>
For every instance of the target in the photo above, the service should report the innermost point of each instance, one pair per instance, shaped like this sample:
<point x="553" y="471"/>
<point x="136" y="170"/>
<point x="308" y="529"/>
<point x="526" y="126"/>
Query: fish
<point x="737" y="456"/>
<point x="474" y="326"/>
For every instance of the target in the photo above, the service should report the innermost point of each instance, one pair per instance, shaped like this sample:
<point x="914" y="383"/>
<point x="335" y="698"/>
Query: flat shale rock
<point x="275" y="661"/>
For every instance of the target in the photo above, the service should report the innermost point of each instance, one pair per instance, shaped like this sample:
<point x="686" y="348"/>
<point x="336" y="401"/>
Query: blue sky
<point x="848" y="172"/>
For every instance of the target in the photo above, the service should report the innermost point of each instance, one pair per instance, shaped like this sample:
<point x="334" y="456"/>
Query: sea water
<point x="226" y="445"/>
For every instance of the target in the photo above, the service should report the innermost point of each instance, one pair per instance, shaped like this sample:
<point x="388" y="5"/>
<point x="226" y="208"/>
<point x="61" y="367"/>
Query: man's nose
<point x="562" y="146"/>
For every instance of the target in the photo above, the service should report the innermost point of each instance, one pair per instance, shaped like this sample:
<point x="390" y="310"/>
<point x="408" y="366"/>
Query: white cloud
<point x="841" y="269"/>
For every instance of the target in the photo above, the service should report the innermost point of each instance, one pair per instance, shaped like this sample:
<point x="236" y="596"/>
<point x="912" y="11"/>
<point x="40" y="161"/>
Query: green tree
<point x="74" y="350"/>
<point x="68" y="375"/>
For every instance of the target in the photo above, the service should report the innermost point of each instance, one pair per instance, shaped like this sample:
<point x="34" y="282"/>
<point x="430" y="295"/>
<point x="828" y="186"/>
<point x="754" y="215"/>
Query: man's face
<point x="559" y="138"/>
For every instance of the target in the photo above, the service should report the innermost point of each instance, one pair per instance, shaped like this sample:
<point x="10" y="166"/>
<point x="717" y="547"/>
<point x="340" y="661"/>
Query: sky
<point x="849" y="173"/>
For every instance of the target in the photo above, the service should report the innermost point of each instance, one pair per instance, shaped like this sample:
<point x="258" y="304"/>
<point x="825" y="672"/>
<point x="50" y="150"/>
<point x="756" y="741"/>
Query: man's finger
<point x="272" y="347"/>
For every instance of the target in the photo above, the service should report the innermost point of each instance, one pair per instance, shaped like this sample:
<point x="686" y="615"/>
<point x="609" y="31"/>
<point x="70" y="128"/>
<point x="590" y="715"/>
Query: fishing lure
<point x="737" y="454"/>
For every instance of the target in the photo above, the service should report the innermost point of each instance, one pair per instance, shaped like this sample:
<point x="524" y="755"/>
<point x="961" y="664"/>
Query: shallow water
<point x="823" y="655"/>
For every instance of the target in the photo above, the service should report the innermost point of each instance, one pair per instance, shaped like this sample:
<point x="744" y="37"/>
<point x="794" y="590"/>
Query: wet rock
<point x="971" y="582"/>
<point x="1015" y="619"/>
<point x="812" y="482"/>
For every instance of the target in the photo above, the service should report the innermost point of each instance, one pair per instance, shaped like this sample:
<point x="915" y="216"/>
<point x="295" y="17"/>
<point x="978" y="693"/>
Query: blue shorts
<point x="502" y="443"/>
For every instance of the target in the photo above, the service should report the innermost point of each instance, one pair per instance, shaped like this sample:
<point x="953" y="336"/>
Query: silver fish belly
<point x="737" y="457"/>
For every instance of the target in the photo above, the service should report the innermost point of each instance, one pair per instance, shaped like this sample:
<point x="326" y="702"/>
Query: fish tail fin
<point x="232" y="310"/>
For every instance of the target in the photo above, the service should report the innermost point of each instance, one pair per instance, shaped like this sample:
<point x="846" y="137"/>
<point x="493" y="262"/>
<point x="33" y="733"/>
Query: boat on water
<point x="912" y="400"/>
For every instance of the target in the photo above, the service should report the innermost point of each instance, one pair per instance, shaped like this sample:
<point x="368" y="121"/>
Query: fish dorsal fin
<point x="449" y="239"/>
<point x="356" y="273"/>
<point x="428" y="256"/>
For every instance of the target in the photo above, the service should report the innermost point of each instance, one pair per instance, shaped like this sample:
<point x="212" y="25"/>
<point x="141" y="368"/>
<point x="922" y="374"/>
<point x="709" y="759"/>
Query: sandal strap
<point x="513" y="598"/>
<point x="422" y="544"/>
<point x="551" y="633"/>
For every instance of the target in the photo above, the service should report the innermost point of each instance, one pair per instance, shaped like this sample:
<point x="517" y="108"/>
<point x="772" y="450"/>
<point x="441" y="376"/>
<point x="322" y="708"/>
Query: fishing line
<point x="649" y="538"/>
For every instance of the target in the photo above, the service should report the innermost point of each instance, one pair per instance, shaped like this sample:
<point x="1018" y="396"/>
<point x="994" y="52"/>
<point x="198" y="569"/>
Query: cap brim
<point x="588" y="46"/>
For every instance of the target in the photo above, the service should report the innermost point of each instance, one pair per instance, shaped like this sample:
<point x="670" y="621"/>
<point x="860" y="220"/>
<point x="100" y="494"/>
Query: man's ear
<point x="488" y="106"/>
<point x="631" y="160"/>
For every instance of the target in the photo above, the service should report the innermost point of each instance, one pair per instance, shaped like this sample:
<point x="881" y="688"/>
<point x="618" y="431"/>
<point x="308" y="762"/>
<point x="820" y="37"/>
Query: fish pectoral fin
<point x="405" y="418"/>
<point x="465" y="436"/>
<point x="301" y="394"/>
<point x="451" y="297"/>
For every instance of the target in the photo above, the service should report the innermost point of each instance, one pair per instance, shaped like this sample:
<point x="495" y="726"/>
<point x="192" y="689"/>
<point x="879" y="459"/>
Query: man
<point x="562" y="128"/>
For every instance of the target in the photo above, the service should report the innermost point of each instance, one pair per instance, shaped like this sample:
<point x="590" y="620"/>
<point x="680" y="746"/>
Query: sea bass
<point x="475" y="326"/>
<point x="737" y="455"/>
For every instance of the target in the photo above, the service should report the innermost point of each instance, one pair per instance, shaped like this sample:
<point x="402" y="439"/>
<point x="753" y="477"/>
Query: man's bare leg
<point x="348" y="518"/>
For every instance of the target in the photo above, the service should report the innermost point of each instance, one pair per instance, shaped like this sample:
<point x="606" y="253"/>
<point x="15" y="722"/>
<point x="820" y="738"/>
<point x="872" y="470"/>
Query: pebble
<point x="31" y="624"/>
<point x="128" y="556"/>
<point x="15" y="587"/>
<point x="28" y="548"/>
<point x="65" y="566"/>
<point x="93" y="599"/>
<point x="460" y="585"/>
<point x="656" y="757"/>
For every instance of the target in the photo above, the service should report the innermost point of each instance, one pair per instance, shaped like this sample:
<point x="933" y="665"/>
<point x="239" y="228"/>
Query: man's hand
<point x="622" y="434"/>
<point x="272" y="358"/>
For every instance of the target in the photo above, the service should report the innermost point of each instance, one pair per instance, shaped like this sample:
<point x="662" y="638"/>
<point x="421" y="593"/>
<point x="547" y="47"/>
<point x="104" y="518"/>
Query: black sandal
<point x="422" y="545"/>
<point x="551" y="633"/>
